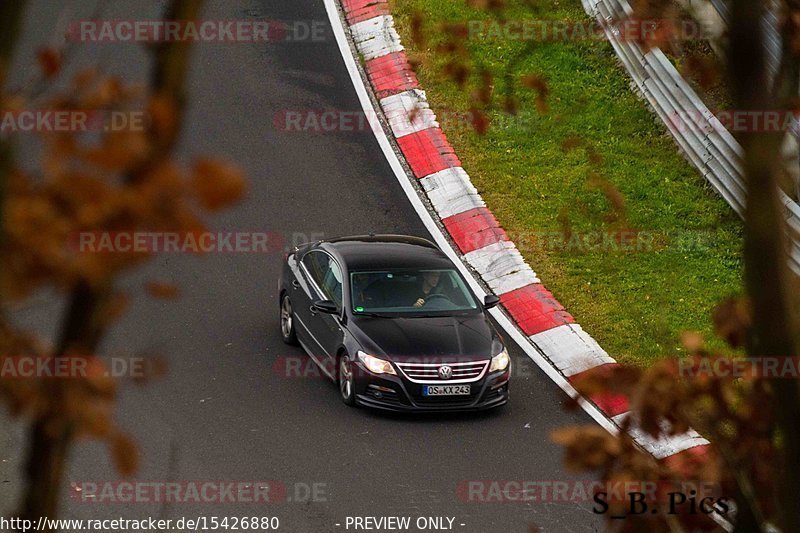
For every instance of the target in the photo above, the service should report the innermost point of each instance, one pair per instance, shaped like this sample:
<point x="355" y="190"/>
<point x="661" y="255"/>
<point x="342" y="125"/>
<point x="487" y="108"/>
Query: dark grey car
<point x="392" y="321"/>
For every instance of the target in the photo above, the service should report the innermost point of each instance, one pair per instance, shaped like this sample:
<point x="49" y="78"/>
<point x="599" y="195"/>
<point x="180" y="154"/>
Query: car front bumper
<point x="395" y="393"/>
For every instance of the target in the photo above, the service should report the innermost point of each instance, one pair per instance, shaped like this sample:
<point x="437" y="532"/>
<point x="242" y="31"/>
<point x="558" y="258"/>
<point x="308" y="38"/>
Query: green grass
<point x="634" y="303"/>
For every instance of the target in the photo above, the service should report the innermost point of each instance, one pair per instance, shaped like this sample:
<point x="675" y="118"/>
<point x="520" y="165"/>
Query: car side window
<point x="326" y="274"/>
<point x="332" y="283"/>
<point x="316" y="264"/>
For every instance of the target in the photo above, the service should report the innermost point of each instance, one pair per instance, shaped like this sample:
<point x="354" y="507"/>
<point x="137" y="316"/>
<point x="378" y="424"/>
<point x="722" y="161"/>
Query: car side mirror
<point x="490" y="300"/>
<point x="325" y="306"/>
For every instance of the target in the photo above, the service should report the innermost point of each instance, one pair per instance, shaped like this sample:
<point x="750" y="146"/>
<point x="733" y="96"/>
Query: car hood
<point x="445" y="339"/>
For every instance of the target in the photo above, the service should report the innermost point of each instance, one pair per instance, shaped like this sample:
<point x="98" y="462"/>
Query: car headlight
<point x="500" y="361"/>
<point x="376" y="365"/>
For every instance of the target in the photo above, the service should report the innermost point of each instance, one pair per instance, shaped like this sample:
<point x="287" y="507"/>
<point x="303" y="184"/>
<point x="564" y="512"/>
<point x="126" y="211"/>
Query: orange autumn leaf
<point x="510" y="105"/>
<point x="103" y="94"/>
<point x="162" y="112"/>
<point x="162" y="291"/>
<point x="586" y="446"/>
<point x="458" y="72"/>
<point x="217" y="184"/>
<point x="125" y="454"/>
<point x="732" y="319"/>
<point x="480" y="121"/>
<point x="538" y="84"/>
<point x="120" y="150"/>
<point x="692" y="341"/>
<point x="49" y="61"/>
<point x="417" y="23"/>
<point x="115" y="307"/>
<point x="89" y="413"/>
<point x="491" y="5"/>
<point x="97" y="377"/>
<point x="84" y="78"/>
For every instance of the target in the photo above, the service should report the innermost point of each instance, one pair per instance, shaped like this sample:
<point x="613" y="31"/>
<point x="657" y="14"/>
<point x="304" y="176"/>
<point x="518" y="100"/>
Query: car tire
<point x="346" y="380"/>
<point x="288" y="333"/>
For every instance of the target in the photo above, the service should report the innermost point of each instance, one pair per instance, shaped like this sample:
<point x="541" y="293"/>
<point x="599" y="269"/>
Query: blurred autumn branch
<point x="10" y="16"/>
<point x="773" y="330"/>
<point x="105" y="181"/>
<point x="752" y="421"/>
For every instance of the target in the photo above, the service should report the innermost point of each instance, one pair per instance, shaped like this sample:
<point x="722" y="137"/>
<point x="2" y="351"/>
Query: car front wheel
<point x="287" y="321"/>
<point x="346" y="381"/>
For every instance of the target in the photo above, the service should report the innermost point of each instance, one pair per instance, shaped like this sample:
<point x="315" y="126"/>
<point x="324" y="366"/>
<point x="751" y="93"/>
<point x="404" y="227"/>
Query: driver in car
<point x="430" y="281"/>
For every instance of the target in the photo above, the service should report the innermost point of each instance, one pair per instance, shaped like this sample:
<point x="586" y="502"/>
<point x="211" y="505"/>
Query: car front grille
<point x="465" y="372"/>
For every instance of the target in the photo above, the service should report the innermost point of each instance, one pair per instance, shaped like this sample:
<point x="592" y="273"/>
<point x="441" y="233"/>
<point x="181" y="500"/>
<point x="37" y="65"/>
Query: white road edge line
<point x="426" y="218"/>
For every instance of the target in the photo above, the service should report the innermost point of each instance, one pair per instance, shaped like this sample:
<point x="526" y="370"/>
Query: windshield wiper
<point x="444" y="313"/>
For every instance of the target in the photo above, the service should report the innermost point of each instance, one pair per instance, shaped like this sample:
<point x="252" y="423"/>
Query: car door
<point x="329" y="328"/>
<point x="301" y="292"/>
<point x="325" y="278"/>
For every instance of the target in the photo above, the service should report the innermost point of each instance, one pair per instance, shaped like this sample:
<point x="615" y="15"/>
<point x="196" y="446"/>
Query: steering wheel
<point x="436" y="297"/>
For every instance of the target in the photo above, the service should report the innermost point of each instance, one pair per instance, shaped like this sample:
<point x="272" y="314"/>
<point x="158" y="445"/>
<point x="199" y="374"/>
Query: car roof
<point x="366" y="252"/>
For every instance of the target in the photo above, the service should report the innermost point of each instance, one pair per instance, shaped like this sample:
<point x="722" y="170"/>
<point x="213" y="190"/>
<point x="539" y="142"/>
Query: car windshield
<point x="434" y="292"/>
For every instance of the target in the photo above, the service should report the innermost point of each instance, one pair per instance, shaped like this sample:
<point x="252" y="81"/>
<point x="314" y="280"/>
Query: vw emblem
<point x="445" y="372"/>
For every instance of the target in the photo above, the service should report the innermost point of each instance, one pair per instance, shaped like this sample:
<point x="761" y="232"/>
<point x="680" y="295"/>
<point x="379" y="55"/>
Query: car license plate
<point x="445" y="390"/>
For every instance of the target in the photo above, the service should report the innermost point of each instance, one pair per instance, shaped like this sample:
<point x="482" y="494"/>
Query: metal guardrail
<point x="712" y="149"/>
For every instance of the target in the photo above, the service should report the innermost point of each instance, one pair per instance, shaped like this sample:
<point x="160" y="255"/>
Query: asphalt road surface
<point x="224" y="412"/>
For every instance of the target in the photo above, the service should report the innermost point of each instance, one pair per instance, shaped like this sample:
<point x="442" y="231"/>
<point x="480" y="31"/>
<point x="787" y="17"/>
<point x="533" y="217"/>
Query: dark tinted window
<point x="435" y="291"/>
<point x="332" y="283"/>
<point x="326" y="274"/>
<point x="316" y="264"/>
